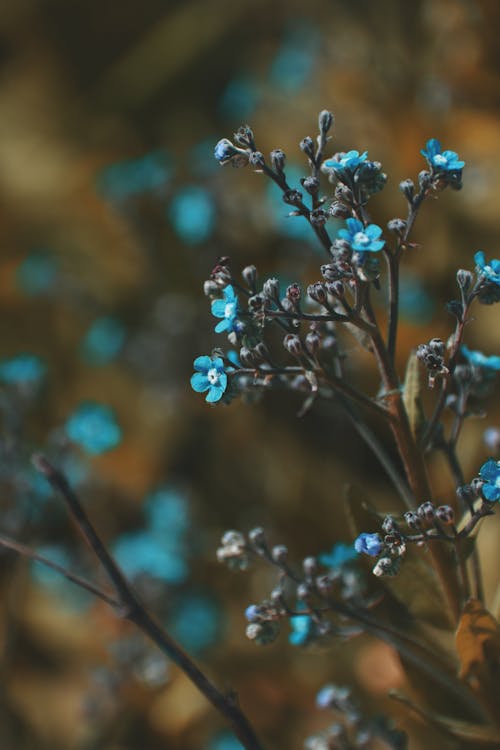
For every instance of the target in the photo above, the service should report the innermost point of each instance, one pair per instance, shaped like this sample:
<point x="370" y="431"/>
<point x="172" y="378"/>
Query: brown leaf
<point x="478" y="644"/>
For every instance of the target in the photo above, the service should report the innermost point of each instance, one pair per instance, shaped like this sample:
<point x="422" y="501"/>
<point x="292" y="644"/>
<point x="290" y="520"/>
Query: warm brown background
<point x="84" y="84"/>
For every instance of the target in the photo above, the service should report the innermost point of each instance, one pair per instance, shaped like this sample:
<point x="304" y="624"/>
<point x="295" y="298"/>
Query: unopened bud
<point x="464" y="279"/>
<point x="249" y="274"/>
<point x="293" y="344"/>
<point x="325" y="121"/>
<point x="278" y="159"/>
<point x="339" y="210"/>
<point x="398" y="226"/>
<point x="256" y="159"/>
<point x="445" y="514"/>
<point x="307" y="146"/>
<point x="408" y="189"/>
<point x="279" y="553"/>
<point x="310" y="566"/>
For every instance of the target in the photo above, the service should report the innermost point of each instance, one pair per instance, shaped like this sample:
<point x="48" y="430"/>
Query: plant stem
<point x="133" y="610"/>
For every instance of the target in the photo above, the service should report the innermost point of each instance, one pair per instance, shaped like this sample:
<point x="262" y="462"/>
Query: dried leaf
<point x="478" y="645"/>
<point x="412" y="395"/>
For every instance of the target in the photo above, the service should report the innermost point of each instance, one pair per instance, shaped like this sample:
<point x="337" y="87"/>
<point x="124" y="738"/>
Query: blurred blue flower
<point x="22" y="370"/>
<point x="478" y="359"/>
<point x="368" y="544"/>
<point x="192" y="214"/>
<point x="227" y="309"/>
<point x="345" y="163"/>
<point x="224" y="741"/>
<point x="37" y="274"/>
<point x="490" y="271"/>
<point x="195" y="622"/>
<point x="210" y="376"/>
<point x="415" y="302"/>
<point x="103" y="341"/>
<point x="294" y="62"/>
<point x="94" y="427"/>
<point x="239" y="99"/>
<point x="490" y="474"/>
<point x="339" y="555"/>
<point x="233" y="356"/>
<point x="362" y="239"/>
<point x="302" y="628"/>
<point x="144" y="553"/>
<point x="441" y="161"/>
<point x="167" y="512"/>
<point x="132" y="177"/>
<point x="70" y="596"/>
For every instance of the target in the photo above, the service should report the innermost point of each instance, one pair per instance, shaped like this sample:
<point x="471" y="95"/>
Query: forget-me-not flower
<point x="227" y="309"/>
<point x="490" y="271"/>
<point x="210" y="376"/>
<point x="368" y="544"/>
<point x="362" y="239"/>
<point x="441" y="161"/>
<point x="302" y="630"/>
<point x="22" y="370"/>
<point x="478" y="359"/>
<point x="339" y="555"/>
<point x="490" y="473"/>
<point x="94" y="427"/>
<point x="345" y="163"/>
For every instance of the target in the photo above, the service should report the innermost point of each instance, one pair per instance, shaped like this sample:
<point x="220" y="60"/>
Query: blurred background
<point x="113" y="212"/>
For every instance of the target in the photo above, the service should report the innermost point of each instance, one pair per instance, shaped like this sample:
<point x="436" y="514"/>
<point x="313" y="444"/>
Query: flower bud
<point x="271" y="289"/>
<point x="303" y="592"/>
<point x="310" y="184"/>
<point x="408" y="189"/>
<point x="244" y="136"/>
<point x="249" y="274"/>
<point x="317" y="292"/>
<point x="398" y="226"/>
<point x="210" y="288"/>
<point x="292" y="197"/>
<point x="412" y="519"/>
<point x="310" y="566"/>
<point x="257" y="536"/>
<point x="279" y="553"/>
<point x="426" y="511"/>
<point x="263" y="633"/>
<point x="335" y="288"/>
<point x="383" y="567"/>
<point x="253" y="613"/>
<point x="445" y="514"/>
<point x="325" y="121"/>
<point x="278" y="159"/>
<point x="464" y="279"/>
<point x="255" y="302"/>
<point x="307" y="146"/>
<point x="293" y="344"/>
<point x="256" y="159"/>
<point x="313" y="341"/>
<point x="294" y="293"/>
<point x="339" y="210"/>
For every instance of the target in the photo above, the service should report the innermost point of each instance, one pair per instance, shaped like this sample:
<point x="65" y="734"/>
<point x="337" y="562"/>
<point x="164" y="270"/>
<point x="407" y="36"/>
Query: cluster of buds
<point x="234" y="551"/>
<point x="432" y="357"/>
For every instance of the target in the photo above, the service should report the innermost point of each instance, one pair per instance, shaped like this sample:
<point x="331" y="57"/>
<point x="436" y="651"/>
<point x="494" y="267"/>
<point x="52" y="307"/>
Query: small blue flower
<point x="233" y="356"/>
<point x="362" y="239"/>
<point x="141" y="552"/>
<point x="344" y="163"/>
<point x="192" y="214"/>
<point x="478" y="359"/>
<point x="490" y="271"/>
<point x="167" y="512"/>
<point x="227" y="309"/>
<point x="196" y="621"/>
<point x="94" y="427"/>
<point x="126" y="179"/>
<point x="368" y="544"/>
<point x="224" y="741"/>
<point x="302" y="630"/>
<point x="339" y="555"/>
<point x="37" y="273"/>
<point x="252" y="613"/>
<point x="23" y="370"/>
<point x="490" y="473"/>
<point x="210" y="376"/>
<point x="441" y="161"/>
<point x="103" y="341"/>
<point x="224" y="150"/>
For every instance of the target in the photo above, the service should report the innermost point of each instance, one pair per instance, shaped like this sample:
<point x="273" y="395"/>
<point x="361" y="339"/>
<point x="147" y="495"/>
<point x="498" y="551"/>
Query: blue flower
<point x="227" y="309"/>
<point x="339" y="555"/>
<point x="343" y="163"/>
<point x="37" y="273"/>
<point x="141" y="552"/>
<point x="103" y="341"/>
<point x="94" y="427"/>
<point x="210" y="376"/>
<point x="239" y="99"/>
<point x="23" y="370"/>
<point x="478" y="359"/>
<point x="127" y="179"/>
<point x="224" y="150"/>
<point x="362" y="239"/>
<point x="490" y="473"/>
<point x="252" y="613"/>
<point x="167" y="512"/>
<point x="441" y="161"/>
<point x="192" y="214"/>
<point x="302" y="630"/>
<point x="368" y="544"/>
<point x="196" y="621"/>
<point x="490" y="271"/>
<point x="225" y="741"/>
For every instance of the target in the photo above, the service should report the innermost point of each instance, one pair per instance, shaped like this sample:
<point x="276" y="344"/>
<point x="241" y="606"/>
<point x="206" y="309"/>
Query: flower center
<point x="229" y="310"/>
<point x="440" y="160"/>
<point x="213" y="376"/>
<point x="360" y="238"/>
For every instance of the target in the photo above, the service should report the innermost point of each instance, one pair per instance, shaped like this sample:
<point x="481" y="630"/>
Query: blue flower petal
<point x="219" y="308"/>
<point x="199" y="382"/>
<point x="491" y="492"/>
<point x="215" y="394"/>
<point x="203" y="363"/>
<point x="489" y="471"/>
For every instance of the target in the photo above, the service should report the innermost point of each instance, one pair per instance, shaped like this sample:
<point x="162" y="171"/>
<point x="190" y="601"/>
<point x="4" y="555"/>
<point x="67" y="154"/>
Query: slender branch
<point x="30" y="554"/>
<point x="392" y="326"/>
<point x="134" y="611"/>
